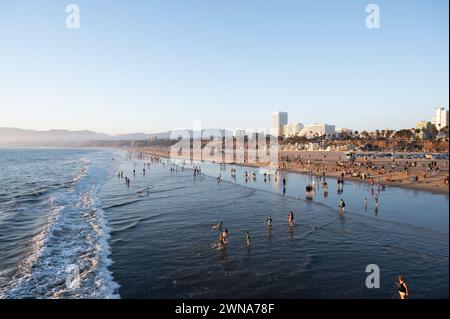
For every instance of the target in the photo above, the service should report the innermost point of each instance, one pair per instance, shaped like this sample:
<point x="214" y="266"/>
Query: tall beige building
<point x="279" y="120"/>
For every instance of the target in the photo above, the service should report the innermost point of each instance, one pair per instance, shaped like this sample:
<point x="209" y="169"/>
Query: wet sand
<point x="333" y="164"/>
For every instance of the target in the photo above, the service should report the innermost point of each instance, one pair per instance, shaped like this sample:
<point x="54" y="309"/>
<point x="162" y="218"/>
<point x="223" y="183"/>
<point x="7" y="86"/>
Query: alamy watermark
<point x="373" y="19"/>
<point x="73" y="17"/>
<point x="237" y="146"/>
<point x="73" y="279"/>
<point x="373" y="279"/>
<point x="72" y="21"/>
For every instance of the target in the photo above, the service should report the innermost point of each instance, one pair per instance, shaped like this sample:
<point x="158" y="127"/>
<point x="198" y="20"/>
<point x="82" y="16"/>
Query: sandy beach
<point x="420" y="174"/>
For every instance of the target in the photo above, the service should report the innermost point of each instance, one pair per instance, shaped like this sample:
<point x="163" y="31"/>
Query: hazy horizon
<point x="155" y="66"/>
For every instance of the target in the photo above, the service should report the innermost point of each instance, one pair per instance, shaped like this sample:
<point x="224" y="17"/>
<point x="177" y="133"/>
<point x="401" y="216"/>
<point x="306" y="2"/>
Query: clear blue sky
<point x="157" y="65"/>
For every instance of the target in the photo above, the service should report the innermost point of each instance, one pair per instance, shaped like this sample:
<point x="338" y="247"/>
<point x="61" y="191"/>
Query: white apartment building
<point x="318" y="129"/>
<point x="343" y="130"/>
<point x="440" y="119"/>
<point x="292" y="129"/>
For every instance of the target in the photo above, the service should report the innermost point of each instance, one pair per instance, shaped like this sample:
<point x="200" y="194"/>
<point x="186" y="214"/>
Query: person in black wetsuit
<point x="269" y="221"/>
<point x="402" y="288"/>
<point x="341" y="206"/>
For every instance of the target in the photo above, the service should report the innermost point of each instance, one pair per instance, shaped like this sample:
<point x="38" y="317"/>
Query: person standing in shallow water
<point x="269" y="222"/>
<point x="341" y="206"/>
<point x="291" y="218"/>
<point x="248" y="239"/>
<point x="402" y="288"/>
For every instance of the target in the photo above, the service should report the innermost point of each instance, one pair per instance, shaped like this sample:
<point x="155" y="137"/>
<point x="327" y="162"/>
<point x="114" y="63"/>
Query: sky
<point x="152" y="66"/>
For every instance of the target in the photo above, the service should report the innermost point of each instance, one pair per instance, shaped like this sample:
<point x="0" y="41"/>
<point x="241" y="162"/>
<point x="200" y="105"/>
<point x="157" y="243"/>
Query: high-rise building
<point x="440" y="119"/>
<point x="279" y="120"/>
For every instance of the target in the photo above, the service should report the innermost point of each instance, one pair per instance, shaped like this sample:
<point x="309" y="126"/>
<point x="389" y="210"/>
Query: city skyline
<point x="155" y="67"/>
<point x="294" y="127"/>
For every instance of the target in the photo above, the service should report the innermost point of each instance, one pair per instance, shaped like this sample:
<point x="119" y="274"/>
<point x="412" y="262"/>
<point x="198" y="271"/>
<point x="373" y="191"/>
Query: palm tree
<point x="433" y="132"/>
<point x="444" y="130"/>
<point x="389" y="133"/>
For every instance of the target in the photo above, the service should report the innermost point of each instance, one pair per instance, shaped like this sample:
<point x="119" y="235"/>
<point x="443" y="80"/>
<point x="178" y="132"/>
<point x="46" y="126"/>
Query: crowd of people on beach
<point x="391" y="170"/>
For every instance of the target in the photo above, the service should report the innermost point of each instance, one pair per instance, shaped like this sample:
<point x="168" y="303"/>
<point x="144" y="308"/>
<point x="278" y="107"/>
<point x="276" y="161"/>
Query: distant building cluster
<point x="424" y="129"/>
<point x="281" y="127"/>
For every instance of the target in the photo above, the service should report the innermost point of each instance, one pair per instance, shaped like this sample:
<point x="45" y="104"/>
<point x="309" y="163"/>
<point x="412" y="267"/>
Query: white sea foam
<point x="75" y="233"/>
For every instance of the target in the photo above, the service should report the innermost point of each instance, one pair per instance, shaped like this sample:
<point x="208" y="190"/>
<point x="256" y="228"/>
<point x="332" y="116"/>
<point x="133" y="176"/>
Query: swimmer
<point x="224" y="234"/>
<point x="365" y="202"/>
<point x="291" y="218"/>
<point x="248" y="239"/>
<point x="341" y="206"/>
<point x="217" y="226"/>
<point x="220" y="245"/>
<point x="269" y="221"/>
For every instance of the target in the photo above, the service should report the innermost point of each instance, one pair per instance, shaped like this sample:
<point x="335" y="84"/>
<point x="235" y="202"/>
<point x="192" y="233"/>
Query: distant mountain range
<point x="10" y="137"/>
<point x="15" y="137"/>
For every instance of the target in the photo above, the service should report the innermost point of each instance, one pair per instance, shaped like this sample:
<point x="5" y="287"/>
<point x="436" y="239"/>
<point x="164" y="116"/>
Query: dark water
<point x="161" y="238"/>
<point x="153" y="240"/>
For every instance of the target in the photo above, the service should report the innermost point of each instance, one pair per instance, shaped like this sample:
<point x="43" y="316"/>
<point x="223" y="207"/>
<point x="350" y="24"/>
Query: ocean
<point x="61" y="208"/>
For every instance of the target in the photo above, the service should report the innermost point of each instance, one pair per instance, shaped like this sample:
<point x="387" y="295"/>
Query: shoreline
<point x="401" y="182"/>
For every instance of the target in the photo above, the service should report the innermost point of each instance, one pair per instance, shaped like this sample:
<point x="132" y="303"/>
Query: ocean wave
<point x="140" y="195"/>
<point x="75" y="236"/>
<point x="122" y="204"/>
